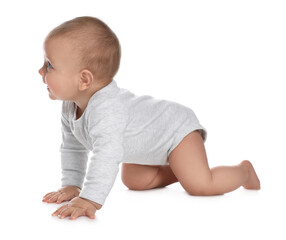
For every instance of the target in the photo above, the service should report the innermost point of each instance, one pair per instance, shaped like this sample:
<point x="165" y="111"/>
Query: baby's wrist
<point x="71" y="187"/>
<point x="96" y="205"/>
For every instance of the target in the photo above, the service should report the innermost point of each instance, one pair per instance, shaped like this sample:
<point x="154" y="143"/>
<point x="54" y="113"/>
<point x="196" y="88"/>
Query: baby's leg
<point x="189" y="163"/>
<point x="142" y="177"/>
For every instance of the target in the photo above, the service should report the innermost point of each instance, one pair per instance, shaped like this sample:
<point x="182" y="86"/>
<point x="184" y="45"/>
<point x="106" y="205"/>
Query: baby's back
<point x="152" y="128"/>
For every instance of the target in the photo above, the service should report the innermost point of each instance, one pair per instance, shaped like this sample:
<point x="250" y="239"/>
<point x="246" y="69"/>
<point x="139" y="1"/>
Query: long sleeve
<point x="74" y="157"/>
<point x="106" y="130"/>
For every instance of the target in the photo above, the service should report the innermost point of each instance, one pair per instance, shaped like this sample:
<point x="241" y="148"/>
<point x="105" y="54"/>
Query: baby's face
<point x="61" y="69"/>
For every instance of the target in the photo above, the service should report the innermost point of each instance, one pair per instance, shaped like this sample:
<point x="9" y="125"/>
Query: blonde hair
<point x="97" y="44"/>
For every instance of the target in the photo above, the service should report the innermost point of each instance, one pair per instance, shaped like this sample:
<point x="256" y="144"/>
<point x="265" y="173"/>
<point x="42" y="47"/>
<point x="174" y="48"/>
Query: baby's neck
<point x="82" y="101"/>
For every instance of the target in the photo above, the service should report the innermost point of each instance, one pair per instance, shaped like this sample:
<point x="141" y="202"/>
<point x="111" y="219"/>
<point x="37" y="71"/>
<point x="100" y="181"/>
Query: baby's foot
<point x="252" y="181"/>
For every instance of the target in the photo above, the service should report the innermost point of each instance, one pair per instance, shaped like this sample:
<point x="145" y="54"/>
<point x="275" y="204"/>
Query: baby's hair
<point x="97" y="44"/>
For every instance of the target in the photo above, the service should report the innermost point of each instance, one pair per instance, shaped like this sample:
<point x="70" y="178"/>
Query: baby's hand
<point x="63" y="194"/>
<point x="77" y="207"/>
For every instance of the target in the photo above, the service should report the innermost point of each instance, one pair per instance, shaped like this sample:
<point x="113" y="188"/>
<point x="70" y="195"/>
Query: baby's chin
<point x="52" y="97"/>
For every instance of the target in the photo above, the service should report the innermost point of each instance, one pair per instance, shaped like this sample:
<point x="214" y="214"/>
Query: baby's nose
<point x="41" y="72"/>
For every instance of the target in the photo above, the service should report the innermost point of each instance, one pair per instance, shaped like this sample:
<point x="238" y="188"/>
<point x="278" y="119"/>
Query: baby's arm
<point x="74" y="157"/>
<point x="106" y="132"/>
<point x="102" y="172"/>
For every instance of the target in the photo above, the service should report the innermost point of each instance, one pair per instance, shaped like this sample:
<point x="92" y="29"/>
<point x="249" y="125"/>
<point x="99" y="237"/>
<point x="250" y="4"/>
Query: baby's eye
<point x="49" y="65"/>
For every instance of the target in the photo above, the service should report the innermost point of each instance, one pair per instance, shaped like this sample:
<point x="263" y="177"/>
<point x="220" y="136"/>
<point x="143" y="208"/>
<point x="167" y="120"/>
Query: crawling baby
<point x="158" y="142"/>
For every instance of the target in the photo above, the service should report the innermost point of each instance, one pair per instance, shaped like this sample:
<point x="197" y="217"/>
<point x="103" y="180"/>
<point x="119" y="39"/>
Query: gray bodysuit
<point x="118" y="126"/>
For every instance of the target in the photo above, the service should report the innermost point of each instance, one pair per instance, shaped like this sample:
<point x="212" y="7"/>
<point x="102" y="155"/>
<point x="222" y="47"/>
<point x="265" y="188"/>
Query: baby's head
<point x="82" y="52"/>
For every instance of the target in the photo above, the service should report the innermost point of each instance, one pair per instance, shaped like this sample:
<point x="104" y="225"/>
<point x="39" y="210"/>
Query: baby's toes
<point x="253" y="180"/>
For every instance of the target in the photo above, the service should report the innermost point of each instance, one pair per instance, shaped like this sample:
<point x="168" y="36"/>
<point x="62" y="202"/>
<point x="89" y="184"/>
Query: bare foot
<point x="252" y="181"/>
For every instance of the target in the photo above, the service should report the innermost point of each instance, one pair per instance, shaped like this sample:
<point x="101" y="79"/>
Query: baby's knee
<point x="133" y="183"/>
<point x="136" y="177"/>
<point x="130" y="182"/>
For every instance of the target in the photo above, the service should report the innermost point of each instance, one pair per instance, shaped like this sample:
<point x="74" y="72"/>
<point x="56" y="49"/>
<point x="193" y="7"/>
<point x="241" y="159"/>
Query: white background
<point x="224" y="59"/>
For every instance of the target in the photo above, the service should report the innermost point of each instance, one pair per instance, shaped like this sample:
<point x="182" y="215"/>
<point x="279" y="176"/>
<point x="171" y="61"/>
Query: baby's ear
<point x="86" y="79"/>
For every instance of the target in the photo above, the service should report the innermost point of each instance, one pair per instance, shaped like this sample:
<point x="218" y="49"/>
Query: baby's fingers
<point x="90" y="213"/>
<point x="52" y="198"/>
<point x="66" y="212"/>
<point x="63" y="197"/>
<point x="77" y="213"/>
<point x="48" y="194"/>
<point x="60" y="210"/>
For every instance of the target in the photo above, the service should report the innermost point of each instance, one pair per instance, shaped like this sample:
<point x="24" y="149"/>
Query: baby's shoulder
<point x="106" y="111"/>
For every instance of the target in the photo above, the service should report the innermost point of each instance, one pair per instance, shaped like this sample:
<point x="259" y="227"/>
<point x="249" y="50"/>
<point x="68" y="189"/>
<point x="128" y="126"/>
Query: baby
<point x="158" y="142"/>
